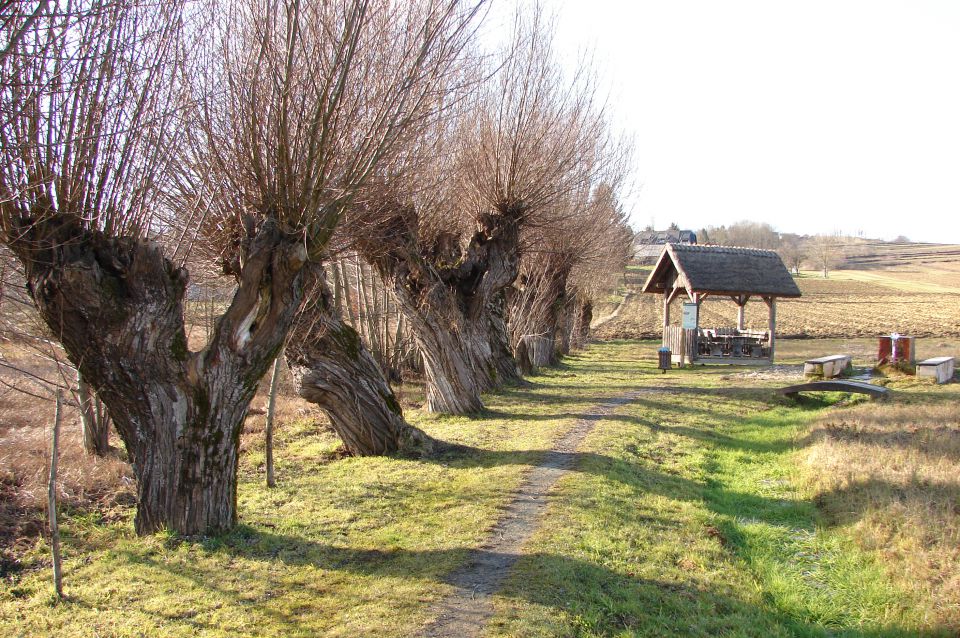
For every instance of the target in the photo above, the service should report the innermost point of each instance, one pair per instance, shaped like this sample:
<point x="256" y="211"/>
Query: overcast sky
<point x="813" y="116"/>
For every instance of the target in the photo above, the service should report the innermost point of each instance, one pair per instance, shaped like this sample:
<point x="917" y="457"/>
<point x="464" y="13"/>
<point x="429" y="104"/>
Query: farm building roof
<point x="648" y="244"/>
<point x="721" y="270"/>
<point x="661" y="237"/>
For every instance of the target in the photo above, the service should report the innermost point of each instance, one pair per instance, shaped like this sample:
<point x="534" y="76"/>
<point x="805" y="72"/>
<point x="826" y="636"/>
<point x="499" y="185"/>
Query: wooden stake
<point x="271" y="410"/>
<point x="772" y="323"/>
<point x="52" y="499"/>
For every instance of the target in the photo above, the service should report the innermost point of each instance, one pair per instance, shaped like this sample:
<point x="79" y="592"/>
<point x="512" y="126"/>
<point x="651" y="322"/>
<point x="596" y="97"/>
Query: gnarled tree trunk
<point x="538" y="317"/>
<point x="117" y="306"/>
<point x="581" y="327"/>
<point x="334" y="370"/>
<point x="456" y="360"/>
<point x="94" y="419"/>
<point x="566" y="321"/>
<point x="506" y="364"/>
<point x="446" y="296"/>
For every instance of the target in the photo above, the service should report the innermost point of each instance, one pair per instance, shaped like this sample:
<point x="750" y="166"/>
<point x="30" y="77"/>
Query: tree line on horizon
<point x="822" y="252"/>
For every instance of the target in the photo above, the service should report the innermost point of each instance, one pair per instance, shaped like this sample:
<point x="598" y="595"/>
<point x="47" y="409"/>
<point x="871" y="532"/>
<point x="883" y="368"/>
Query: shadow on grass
<point x="581" y="595"/>
<point x="637" y="475"/>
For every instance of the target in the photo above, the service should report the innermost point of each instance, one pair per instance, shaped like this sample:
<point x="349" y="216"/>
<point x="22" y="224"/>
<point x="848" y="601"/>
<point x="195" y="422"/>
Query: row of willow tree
<point x="272" y="143"/>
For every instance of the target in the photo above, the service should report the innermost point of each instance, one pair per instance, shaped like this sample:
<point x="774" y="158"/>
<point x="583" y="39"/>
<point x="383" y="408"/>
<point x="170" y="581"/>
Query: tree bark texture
<point x="565" y="322"/>
<point x="581" y="327"/>
<point x="117" y="306"/>
<point x="507" y="365"/>
<point x="94" y="419"/>
<point x="539" y="316"/>
<point x="445" y="295"/>
<point x="334" y="370"/>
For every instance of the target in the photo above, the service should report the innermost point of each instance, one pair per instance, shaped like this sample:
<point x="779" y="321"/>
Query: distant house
<point x="648" y="244"/>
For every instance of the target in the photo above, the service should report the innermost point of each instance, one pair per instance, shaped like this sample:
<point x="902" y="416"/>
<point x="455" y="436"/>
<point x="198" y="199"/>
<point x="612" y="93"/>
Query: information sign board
<point x="690" y="316"/>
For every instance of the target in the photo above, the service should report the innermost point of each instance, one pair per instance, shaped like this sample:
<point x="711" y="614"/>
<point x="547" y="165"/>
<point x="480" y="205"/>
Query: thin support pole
<point x="772" y="324"/>
<point x="271" y="411"/>
<point x="52" y="498"/>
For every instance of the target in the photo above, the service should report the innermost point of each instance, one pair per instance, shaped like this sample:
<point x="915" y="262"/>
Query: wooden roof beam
<point x="673" y="294"/>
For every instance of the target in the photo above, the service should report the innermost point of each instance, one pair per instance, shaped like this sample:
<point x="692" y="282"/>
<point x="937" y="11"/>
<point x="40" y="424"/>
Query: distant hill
<point x="877" y="254"/>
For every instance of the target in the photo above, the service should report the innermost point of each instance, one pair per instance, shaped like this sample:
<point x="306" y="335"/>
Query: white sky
<point x="811" y="115"/>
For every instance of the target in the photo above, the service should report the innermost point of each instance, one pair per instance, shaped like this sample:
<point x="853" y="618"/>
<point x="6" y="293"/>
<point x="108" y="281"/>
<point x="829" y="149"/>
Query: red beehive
<point x="896" y="348"/>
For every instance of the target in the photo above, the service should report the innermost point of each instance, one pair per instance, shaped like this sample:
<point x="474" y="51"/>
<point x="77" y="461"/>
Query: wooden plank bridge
<point x="857" y="387"/>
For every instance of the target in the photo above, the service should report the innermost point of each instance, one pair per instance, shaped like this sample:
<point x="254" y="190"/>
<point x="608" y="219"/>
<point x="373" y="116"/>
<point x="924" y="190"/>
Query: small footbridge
<point x="857" y="387"/>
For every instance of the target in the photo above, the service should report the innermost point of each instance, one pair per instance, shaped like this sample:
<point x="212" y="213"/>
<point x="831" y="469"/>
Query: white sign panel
<point x="689" y="316"/>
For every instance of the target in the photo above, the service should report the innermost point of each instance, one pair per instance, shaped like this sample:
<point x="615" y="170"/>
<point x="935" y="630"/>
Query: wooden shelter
<point x="698" y="272"/>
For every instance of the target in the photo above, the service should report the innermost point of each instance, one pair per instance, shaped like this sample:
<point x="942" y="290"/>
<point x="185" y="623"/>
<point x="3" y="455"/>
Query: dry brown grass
<point x="891" y="473"/>
<point x="104" y="486"/>
<point x="84" y="482"/>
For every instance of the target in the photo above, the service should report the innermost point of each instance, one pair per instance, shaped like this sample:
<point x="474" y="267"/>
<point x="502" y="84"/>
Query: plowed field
<point x="920" y="299"/>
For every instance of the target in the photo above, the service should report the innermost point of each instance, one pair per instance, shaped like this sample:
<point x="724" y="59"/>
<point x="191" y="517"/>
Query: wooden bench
<point x="858" y="387"/>
<point x="827" y="367"/>
<point x="940" y="369"/>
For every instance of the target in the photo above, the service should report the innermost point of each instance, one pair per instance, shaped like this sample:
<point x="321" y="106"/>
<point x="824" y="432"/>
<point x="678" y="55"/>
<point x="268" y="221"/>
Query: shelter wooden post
<point x="741" y="301"/>
<point x="666" y="311"/>
<point x="772" y="323"/>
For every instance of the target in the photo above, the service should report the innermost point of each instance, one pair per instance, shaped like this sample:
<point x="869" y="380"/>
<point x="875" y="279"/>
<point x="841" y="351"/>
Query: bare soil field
<point x="883" y="255"/>
<point x="920" y="298"/>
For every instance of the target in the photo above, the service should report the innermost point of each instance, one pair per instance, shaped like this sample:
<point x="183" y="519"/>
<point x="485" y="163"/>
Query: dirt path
<point x="466" y="611"/>
<point x="616" y="311"/>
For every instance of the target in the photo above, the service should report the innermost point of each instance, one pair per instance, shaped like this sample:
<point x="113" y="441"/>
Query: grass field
<point x="705" y="507"/>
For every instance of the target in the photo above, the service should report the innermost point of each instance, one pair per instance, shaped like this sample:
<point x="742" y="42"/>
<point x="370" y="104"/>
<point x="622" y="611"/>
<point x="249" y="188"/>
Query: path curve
<point x="616" y="311"/>
<point x="465" y="612"/>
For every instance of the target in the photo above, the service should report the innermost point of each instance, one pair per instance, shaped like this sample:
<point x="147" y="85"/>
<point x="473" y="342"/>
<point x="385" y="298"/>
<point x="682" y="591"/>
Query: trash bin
<point x="664" y="355"/>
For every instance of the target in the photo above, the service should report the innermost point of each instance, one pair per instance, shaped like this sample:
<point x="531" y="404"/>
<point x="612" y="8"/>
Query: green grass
<point x="682" y="518"/>
<point x="349" y="547"/>
<point x="685" y="519"/>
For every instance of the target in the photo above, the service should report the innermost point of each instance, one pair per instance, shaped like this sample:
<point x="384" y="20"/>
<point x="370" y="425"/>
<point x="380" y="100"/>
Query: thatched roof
<point x="721" y="270"/>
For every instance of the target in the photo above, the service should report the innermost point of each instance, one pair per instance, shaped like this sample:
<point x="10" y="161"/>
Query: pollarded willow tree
<point x="333" y="368"/>
<point x="448" y="246"/>
<point x="405" y="57"/>
<point x="565" y="267"/>
<point x="120" y="126"/>
<point x="595" y="278"/>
